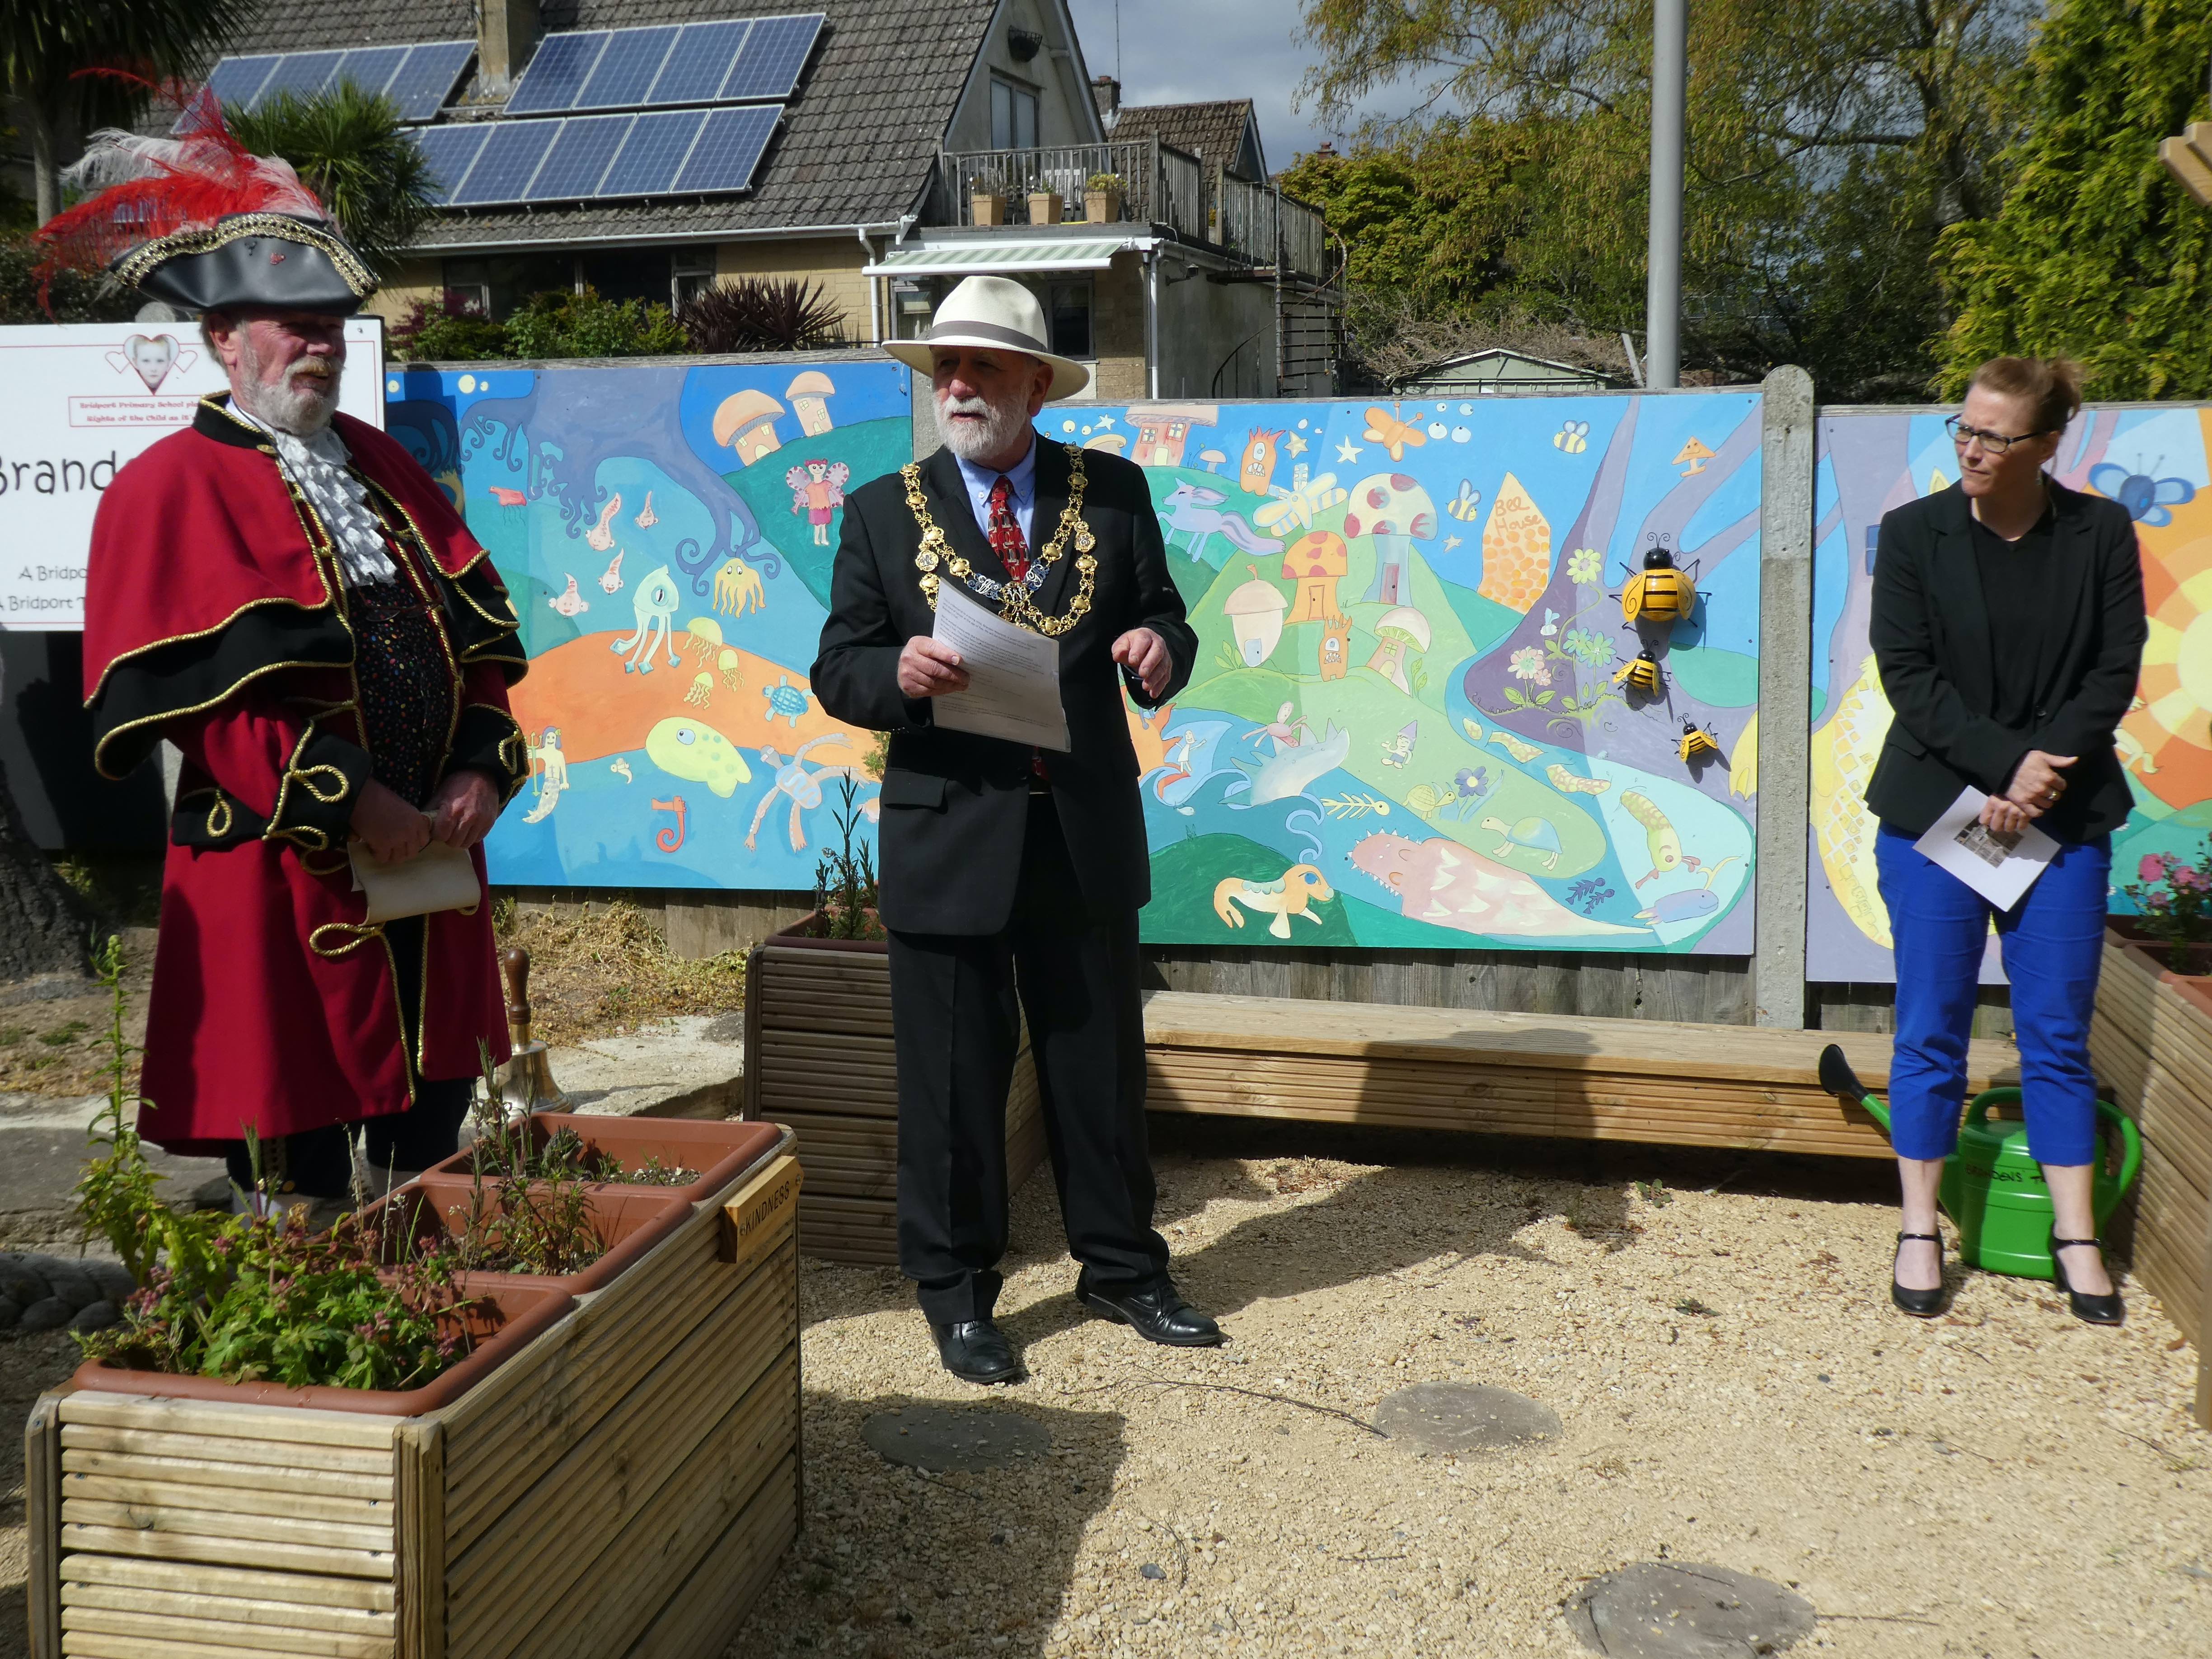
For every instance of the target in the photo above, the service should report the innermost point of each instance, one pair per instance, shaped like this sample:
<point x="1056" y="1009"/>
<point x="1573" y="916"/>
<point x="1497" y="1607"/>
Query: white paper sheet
<point x="1013" y="676"/>
<point x="1998" y="867"/>
<point x="439" y="877"/>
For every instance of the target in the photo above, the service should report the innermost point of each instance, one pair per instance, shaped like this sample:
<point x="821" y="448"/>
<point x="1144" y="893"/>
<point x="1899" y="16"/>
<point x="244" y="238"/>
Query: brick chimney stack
<point x="1106" y="93"/>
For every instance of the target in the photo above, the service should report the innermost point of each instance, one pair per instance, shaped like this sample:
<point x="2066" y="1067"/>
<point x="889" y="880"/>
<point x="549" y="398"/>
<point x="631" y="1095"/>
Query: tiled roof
<point x="857" y="144"/>
<point x="1214" y="130"/>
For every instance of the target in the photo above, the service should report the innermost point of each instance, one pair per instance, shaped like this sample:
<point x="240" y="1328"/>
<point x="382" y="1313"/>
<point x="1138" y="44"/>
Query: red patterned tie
<point x="1006" y="531"/>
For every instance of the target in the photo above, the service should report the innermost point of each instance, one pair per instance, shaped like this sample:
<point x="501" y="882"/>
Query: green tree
<point x="45" y="44"/>
<point x="2097" y="252"/>
<point x="350" y="148"/>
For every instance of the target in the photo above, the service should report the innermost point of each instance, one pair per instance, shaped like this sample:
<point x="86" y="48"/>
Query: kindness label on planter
<point x="755" y="1218"/>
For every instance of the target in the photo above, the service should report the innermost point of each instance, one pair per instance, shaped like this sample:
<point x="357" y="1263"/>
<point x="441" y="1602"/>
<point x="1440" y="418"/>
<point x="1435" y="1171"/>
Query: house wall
<point x="1117" y="330"/>
<point x="1065" y="114"/>
<point x="1217" y="339"/>
<point x="415" y="279"/>
<point x="835" y="262"/>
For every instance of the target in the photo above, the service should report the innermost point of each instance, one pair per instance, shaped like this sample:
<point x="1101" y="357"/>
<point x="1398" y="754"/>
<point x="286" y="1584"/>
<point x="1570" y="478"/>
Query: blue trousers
<point x="2052" y="940"/>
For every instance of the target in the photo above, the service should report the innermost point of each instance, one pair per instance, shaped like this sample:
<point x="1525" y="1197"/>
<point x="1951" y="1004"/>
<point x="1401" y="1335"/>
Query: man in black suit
<point x="1005" y="869"/>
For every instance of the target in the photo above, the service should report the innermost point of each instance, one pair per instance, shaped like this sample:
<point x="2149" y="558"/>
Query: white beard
<point x="301" y="404"/>
<point x="1001" y="426"/>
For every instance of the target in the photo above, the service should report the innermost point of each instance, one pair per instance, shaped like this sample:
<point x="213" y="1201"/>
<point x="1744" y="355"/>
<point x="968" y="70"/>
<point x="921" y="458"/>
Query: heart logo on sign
<point x="153" y="357"/>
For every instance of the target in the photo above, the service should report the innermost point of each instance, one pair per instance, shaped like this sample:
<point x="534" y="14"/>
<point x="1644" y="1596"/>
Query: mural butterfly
<point x="2147" y="499"/>
<point x="1394" y="434"/>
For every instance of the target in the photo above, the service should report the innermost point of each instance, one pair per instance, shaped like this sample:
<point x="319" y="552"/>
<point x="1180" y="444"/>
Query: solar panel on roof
<point x="579" y="157"/>
<point x="237" y="80"/>
<point x="421" y="86"/>
<point x="626" y="68"/>
<point x="695" y="70"/>
<point x="729" y="149"/>
<point x="653" y="153"/>
<point x="370" y="69"/>
<point x="774" y="55"/>
<point x="450" y="152"/>
<point x="556" y="73"/>
<point x="510" y="157"/>
<point x="300" y="73"/>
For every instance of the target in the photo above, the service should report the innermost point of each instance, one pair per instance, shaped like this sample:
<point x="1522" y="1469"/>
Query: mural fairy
<point x="1422" y="714"/>
<point x="667" y="533"/>
<point x="2154" y="462"/>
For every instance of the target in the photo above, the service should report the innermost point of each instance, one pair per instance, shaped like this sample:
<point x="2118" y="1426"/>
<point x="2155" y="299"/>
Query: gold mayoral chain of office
<point x="1017" y="601"/>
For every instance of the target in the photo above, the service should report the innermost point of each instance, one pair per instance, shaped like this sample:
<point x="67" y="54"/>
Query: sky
<point x="1179" y="52"/>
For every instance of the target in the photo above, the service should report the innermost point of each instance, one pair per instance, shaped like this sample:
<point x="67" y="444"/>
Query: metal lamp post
<point x="1662" y="297"/>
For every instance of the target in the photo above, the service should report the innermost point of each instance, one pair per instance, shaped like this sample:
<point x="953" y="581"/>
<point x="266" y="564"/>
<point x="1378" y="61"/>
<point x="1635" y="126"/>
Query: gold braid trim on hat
<point x="1017" y="601"/>
<point x="136" y="265"/>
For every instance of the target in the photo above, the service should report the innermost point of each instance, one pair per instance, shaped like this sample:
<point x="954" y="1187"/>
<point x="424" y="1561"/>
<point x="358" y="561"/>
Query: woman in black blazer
<point x="2009" y="628"/>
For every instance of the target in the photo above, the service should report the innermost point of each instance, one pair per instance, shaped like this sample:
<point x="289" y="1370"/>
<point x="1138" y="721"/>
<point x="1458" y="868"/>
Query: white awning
<point x="964" y="257"/>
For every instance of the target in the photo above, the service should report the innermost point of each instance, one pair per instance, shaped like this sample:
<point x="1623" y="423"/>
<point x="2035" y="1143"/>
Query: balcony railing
<point x="1159" y="186"/>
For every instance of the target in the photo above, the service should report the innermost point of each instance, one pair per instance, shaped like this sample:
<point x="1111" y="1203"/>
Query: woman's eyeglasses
<point x="1996" y="442"/>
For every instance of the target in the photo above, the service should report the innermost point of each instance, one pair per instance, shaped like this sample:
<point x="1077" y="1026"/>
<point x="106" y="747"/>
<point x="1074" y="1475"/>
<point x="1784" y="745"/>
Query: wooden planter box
<point x="988" y="207"/>
<point x="1101" y="207"/>
<point x="624" y="1482"/>
<point x="818" y="1057"/>
<point x="2151" y="1044"/>
<point x="1046" y="207"/>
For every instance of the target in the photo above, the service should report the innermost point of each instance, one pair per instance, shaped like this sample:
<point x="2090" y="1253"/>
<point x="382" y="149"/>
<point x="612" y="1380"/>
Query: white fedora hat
<point x="996" y="315"/>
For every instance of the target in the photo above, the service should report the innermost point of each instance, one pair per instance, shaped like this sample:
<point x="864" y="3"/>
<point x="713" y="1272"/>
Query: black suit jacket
<point x="954" y="805"/>
<point x="1930" y="633"/>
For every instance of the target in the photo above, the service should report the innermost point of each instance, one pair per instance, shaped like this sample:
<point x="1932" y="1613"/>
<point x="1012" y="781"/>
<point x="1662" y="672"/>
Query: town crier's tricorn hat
<point x="197" y="221"/>
<point x="996" y="315"/>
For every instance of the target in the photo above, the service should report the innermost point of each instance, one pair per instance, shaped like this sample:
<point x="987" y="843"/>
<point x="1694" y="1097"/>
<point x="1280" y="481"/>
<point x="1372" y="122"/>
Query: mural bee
<point x="1463" y="506"/>
<point x="1573" y="436"/>
<point x="1660" y="591"/>
<point x="2146" y="498"/>
<point x="1640" y="675"/>
<point x="1697" y="744"/>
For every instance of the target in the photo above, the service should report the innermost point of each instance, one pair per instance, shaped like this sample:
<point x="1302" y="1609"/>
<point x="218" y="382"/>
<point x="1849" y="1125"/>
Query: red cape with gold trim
<point x="216" y="618"/>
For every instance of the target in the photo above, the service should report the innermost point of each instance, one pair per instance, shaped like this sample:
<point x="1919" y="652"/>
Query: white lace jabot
<point x="318" y="465"/>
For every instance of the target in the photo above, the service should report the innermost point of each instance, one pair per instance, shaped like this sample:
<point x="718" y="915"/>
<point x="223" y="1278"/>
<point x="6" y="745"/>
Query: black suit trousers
<point x="957" y="1003"/>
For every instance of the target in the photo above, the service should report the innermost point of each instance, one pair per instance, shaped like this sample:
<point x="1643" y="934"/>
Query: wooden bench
<point x="1746" y="1087"/>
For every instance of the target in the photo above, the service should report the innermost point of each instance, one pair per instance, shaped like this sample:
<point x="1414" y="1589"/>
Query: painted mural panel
<point x="667" y="533"/>
<point x="2154" y="461"/>
<point x="1409" y="724"/>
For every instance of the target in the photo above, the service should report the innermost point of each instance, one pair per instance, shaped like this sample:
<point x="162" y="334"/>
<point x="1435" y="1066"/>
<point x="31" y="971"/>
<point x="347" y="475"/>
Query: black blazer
<point x="1930" y="633"/>
<point x="954" y="805"/>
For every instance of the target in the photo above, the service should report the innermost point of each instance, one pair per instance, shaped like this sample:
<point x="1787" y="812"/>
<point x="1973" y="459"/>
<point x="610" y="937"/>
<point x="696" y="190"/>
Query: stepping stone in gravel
<point x="936" y="1439"/>
<point x="1465" y="1417"/>
<point x="1663" y="1610"/>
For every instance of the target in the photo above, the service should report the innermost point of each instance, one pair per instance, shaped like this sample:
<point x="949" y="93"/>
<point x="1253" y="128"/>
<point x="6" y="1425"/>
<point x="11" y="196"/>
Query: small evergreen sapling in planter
<point x="845" y="879"/>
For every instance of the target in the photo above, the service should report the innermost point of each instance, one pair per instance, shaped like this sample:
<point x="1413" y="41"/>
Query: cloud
<point x="1175" y="51"/>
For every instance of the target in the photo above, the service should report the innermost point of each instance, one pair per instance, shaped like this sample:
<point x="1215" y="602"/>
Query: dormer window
<point x="1014" y="116"/>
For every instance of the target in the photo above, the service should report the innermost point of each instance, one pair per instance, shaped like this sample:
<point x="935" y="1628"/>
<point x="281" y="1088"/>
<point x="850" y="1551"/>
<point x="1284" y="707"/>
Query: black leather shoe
<point x="2107" y="1310"/>
<point x="977" y="1351"/>
<point x="1156" y="1313"/>
<point x="1920" y="1304"/>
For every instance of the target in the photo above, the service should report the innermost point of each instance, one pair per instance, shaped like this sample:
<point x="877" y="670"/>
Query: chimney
<point x="506" y="34"/>
<point x="1106" y="93"/>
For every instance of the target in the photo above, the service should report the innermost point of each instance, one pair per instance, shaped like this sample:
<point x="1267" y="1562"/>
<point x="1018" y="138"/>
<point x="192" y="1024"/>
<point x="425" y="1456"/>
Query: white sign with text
<point x="83" y="399"/>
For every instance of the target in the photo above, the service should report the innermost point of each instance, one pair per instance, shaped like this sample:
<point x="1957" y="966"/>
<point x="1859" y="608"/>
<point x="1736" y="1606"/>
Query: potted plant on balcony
<point x="987" y="199"/>
<point x="819" y="1057"/>
<point x="1046" y="207"/>
<point x="1101" y="199"/>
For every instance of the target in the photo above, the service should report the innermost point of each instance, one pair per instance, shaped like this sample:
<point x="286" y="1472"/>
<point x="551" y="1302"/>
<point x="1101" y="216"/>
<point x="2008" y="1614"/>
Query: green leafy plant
<point x="844" y="891"/>
<point x="352" y="148"/>
<point x="115" y="1197"/>
<point x="1103" y="181"/>
<point x="450" y="331"/>
<point x="558" y="325"/>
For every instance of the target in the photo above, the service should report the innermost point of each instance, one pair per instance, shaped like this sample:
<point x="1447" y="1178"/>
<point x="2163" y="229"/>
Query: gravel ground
<point x="1734" y="1388"/>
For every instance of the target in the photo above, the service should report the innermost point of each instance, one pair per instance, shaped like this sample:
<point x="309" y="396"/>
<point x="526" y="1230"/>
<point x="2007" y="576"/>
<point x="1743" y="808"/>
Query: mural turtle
<point x="785" y="701"/>
<point x="1538" y="835"/>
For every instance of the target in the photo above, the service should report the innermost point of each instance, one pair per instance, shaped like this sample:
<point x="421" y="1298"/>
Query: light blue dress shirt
<point x="1022" y="495"/>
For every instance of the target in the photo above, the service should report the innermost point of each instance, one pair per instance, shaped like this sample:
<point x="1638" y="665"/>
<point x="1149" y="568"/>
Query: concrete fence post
<point x="1785" y="699"/>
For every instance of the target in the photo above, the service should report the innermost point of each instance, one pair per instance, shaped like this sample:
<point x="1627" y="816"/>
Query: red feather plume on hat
<point x="154" y="187"/>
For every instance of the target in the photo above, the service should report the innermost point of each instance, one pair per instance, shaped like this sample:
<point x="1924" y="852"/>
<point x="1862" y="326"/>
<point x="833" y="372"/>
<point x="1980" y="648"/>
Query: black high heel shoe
<point x="2089" y="1309"/>
<point x="1920" y="1304"/>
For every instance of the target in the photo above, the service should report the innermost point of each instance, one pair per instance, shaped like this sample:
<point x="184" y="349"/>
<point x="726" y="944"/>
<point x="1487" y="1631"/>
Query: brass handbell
<point x="526" y="1082"/>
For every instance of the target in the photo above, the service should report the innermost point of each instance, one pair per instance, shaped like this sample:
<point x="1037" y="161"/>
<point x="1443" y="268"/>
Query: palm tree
<point x="351" y="149"/>
<point x="45" y="44"/>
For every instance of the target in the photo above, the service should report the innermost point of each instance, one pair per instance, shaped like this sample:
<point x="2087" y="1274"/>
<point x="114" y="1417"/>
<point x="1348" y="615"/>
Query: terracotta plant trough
<point x="615" y="1472"/>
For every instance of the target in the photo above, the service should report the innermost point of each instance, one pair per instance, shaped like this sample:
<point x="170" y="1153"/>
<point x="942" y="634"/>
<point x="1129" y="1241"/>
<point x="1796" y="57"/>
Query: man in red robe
<point x="283" y="595"/>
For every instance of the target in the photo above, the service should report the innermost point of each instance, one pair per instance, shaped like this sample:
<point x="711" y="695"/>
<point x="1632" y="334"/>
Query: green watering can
<point x="1991" y="1187"/>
